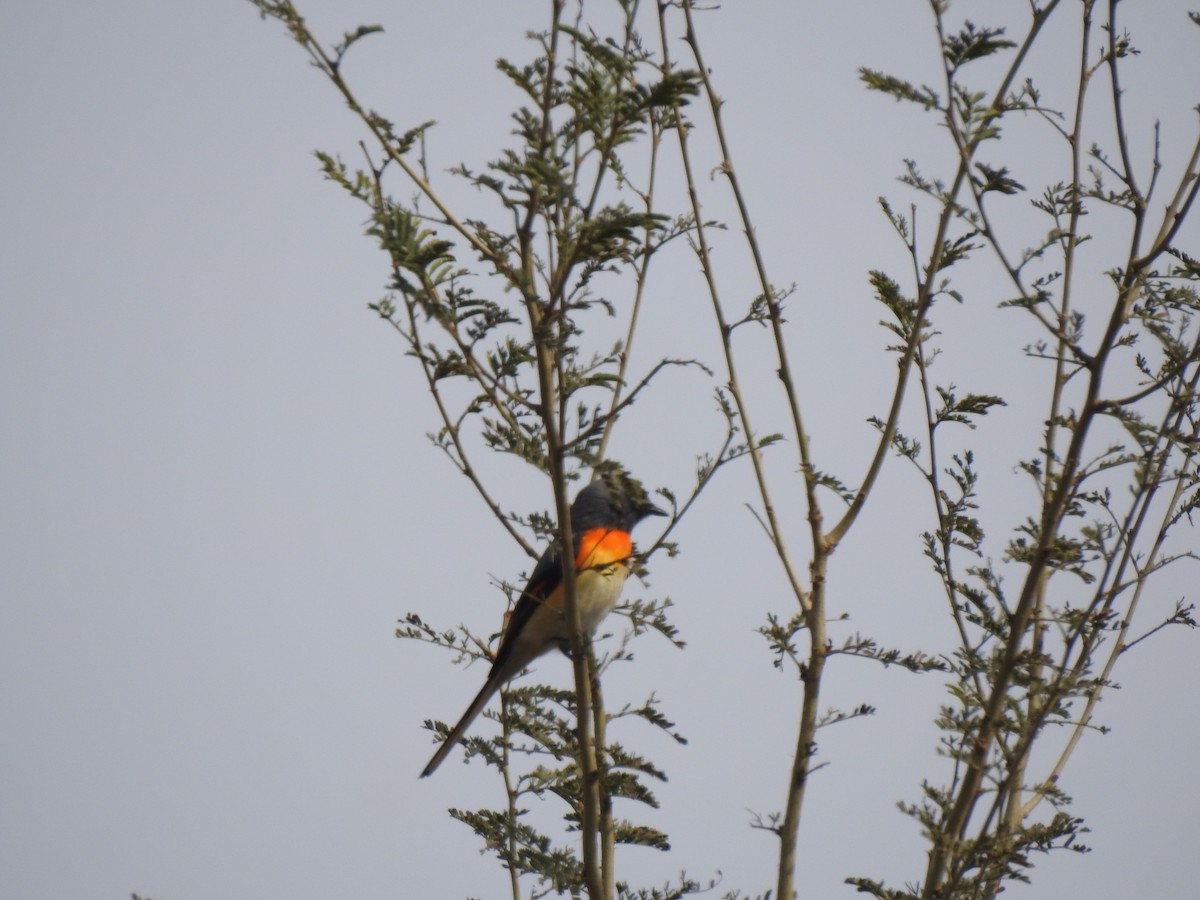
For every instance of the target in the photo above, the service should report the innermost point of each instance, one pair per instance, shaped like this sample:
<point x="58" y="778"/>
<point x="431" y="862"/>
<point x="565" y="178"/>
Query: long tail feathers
<point x="456" y="734"/>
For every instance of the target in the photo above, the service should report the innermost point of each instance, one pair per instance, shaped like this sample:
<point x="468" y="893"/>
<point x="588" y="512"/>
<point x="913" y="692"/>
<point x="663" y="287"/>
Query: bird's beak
<point x="649" y="509"/>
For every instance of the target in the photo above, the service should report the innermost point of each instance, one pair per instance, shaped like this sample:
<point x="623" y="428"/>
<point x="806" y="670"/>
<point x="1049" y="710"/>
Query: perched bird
<point x="602" y="516"/>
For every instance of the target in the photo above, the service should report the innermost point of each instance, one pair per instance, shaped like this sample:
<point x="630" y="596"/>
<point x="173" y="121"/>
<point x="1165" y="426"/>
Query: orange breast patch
<point x="602" y="546"/>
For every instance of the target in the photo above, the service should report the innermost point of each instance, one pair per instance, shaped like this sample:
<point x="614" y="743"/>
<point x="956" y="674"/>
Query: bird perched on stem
<point x="602" y="517"/>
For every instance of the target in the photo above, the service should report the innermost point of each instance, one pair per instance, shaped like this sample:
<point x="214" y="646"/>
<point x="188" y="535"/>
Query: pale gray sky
<point x="218" y="497"/>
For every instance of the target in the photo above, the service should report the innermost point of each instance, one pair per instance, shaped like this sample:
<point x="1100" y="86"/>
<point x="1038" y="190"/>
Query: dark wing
<point x="547" y="575"/>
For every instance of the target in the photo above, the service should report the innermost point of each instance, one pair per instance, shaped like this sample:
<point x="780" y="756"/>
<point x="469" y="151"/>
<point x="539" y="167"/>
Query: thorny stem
<point x="774" y="311"/>
<point x="812" y="602"/>
<point x="726" y="331"/>
<point x="700" y="245"/>
<point x="966" y="791"/>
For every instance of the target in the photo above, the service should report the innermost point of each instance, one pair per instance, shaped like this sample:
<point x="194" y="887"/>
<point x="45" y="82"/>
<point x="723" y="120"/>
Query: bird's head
<point x="615" y="499"/>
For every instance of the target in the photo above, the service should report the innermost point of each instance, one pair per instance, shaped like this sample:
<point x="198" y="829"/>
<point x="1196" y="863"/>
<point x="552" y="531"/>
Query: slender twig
<point x="1177" y="210"/>
<point x="1113" y="58"/>
<point x="514" y="873"/>
<point x="460" y="457"/>
<point x="733" y="385"/>
<point x="655" y="140"/>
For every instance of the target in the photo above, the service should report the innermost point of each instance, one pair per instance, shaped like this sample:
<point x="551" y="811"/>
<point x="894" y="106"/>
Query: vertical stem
<point x="812" y="601"/>
<point x="514" y="875"/>
<point x="605" y="822"/>
<point x="545" y="319"/>
<point x="580" y="650"/>
<point x="806" y="743"/>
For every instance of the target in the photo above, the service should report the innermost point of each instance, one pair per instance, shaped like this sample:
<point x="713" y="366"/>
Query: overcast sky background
<point x="217" y="498"/>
